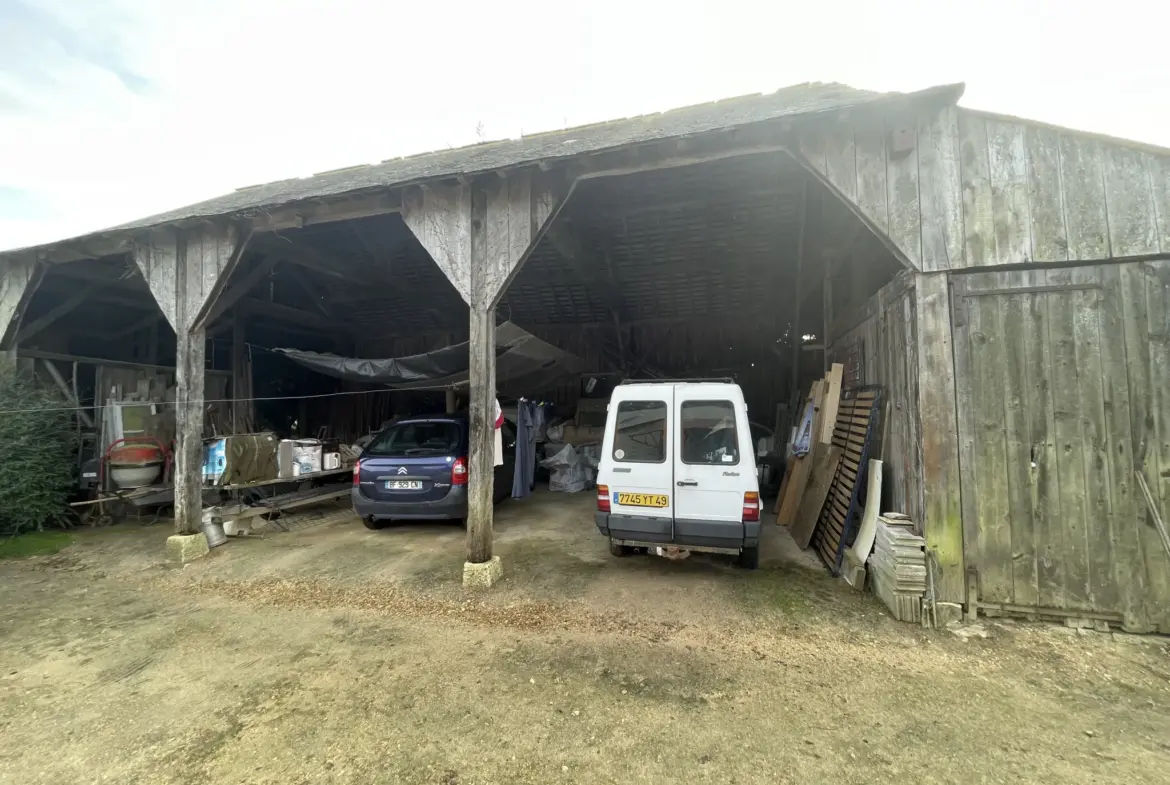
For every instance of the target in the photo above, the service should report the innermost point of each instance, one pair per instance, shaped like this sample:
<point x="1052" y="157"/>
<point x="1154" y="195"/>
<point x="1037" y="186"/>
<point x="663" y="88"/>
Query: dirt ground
<point x="337" y="654"/>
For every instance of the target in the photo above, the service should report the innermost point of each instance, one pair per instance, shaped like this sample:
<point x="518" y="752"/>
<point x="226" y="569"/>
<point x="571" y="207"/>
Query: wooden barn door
<point x="1063" y="381"/>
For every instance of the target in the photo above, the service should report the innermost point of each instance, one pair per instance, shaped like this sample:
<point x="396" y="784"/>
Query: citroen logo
<point x="402" y="470"/>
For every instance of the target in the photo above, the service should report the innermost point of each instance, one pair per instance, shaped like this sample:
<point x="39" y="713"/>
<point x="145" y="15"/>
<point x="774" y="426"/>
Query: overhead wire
<point x="233" y="400"/>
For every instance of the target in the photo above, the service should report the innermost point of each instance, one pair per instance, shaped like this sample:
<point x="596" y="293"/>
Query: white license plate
<point x="404" y="485"/>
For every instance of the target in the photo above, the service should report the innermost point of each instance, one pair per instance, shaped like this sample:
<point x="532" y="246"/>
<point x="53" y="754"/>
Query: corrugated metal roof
<point x="796" y="101"/>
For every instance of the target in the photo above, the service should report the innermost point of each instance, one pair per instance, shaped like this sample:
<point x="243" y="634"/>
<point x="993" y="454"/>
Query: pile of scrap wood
<point x="812" y="468"/>
<point x="839" y="516"/>
<point x="898" y="567"/>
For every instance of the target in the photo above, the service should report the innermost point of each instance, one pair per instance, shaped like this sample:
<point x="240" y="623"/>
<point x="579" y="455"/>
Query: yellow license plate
<point x="643" y="499"/>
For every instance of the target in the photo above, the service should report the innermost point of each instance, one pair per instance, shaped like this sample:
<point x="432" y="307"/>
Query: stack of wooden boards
<point x="843" y="505"/>
<point x="807" y="477"/>
<point x="897" y="568"/>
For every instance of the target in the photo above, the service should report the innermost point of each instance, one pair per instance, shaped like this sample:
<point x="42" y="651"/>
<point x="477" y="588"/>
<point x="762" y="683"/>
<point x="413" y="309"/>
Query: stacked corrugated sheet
<point x="898" y="568"/>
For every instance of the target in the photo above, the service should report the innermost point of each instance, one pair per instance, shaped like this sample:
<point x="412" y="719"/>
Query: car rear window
<point x="640" y="432"/>
<point x="431" y="437"/>
<point x="708" y="433"/>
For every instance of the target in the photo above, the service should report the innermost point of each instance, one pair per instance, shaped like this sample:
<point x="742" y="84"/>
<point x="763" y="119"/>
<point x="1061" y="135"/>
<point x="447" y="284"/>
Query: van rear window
<point x="640" y="432"/>
<point x="708" y="433"/>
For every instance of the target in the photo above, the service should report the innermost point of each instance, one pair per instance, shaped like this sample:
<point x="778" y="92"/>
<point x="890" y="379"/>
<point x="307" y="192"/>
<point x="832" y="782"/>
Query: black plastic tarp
<point x="525" y="365"/>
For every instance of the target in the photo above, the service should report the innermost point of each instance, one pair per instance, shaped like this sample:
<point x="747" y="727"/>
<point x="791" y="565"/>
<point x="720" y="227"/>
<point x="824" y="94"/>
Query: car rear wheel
<point x="749" y="558"/>
<point x="619" y="550"/>
<point x="375" y="523"/>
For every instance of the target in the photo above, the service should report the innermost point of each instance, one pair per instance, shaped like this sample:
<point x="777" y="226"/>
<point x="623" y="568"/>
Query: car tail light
<point x="459" y="472"/>
<point x="751" y="507"/>
<point x="357" y="471"/>
<point x="603" y="498"/>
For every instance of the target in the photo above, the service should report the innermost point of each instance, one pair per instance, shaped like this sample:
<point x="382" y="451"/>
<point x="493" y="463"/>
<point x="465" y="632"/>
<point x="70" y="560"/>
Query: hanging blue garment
<point x="526" y="426"/>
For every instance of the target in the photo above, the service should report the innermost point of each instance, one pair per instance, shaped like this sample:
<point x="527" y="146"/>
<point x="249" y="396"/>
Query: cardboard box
<point x="298" y="457"/>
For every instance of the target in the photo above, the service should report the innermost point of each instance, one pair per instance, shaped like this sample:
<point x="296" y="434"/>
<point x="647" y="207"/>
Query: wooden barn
<point x="1006" y="283"/>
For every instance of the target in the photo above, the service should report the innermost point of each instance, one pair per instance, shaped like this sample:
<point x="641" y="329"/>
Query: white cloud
<point x="115" y="109"/>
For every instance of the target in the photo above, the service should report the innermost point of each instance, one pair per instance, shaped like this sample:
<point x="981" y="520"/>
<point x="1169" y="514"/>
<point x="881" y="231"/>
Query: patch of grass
<point x="34" y="544"/>
<point x="546" y="568"/>
<point x="789" y="589"/>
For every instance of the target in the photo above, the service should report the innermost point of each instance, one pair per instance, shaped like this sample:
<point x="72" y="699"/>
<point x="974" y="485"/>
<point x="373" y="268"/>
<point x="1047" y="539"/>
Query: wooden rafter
<point x="568" y="244"/>
<point x="38" y="325"/>
<point x="242" y="287"/>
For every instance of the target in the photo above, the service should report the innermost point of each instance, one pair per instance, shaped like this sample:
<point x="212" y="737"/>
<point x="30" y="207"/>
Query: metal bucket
<point x="215" y="534"/>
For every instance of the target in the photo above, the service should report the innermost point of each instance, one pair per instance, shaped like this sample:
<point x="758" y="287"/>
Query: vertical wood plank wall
<point x="960" y="189"/>
<point x="881" y="344"/>
<point x="1067" y="394"/>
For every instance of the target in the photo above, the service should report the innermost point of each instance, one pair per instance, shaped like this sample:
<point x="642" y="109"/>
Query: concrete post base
<point x="183" y="548"/>
<point x="483" y="575"/>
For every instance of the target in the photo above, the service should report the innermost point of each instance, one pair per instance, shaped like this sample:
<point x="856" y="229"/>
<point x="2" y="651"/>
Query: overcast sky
<point x="111" y="110"/>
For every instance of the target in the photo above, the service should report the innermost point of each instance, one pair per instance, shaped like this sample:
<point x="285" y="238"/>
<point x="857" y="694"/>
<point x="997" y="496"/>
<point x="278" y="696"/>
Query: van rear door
<point x="641" y="467"/>
<point x="711" y="469"/>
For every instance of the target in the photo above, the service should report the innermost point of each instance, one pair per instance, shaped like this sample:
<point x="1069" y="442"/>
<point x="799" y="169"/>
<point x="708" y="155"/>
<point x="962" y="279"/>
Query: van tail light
<point x="459" y="472"/>
<point x="751" y="507"/>
<point x="357" y="472"/>
<point x="603" y="498"/>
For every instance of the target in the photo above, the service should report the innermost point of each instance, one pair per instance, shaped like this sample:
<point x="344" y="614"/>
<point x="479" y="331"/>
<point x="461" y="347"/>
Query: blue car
<point x="417" y="470"/>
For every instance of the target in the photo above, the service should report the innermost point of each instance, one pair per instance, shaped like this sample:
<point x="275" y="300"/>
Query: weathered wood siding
<point x="514" y="211"/>
<point x="904" y="345"/>
<point x="186" y="270"/>
<point x="18" y="283"/>
<point x="881" y="347"/>
<point x="902" y="179"/>
<point x="440" y="217"/>
<point x="963" y="189"/>
<point x="1032" y="193"/>
<point x="1064" y="391"/>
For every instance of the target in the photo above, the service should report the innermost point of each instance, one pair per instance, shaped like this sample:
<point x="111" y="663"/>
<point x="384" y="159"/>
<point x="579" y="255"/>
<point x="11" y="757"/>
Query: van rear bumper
<point x="712" y="534"/>
<point x="634" y="527"/>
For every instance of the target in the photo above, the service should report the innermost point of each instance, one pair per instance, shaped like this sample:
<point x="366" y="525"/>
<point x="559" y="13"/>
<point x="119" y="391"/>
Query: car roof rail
<point x="710" y="379"/>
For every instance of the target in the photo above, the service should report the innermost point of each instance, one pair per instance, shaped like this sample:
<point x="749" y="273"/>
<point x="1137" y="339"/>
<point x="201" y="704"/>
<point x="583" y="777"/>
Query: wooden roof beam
<point x="309" y="258"/>
<point x="238" y="290"/>
<point x="135" y="326"/>
<point x="564" y="238"/>
<point x="37" y="326"/>
<point x="296" y="216"/>
<point x="288" y="314"/>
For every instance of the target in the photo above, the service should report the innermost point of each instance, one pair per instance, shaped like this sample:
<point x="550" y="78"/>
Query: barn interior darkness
<point x="711" y="269"/>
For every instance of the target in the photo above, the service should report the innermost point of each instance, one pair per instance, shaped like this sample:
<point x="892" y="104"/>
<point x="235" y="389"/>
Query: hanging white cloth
<point x="499" y="440"/>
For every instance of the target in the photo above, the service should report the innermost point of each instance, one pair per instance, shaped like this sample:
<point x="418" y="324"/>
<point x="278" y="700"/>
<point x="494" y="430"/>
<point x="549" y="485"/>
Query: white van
<point x="677" y="468"/>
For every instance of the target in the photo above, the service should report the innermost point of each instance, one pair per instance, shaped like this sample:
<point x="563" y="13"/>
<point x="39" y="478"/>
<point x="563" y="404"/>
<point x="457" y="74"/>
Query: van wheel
<point x="749" y="558"/>
<point x="619" y="550"/>
<point x="375" y="523"/>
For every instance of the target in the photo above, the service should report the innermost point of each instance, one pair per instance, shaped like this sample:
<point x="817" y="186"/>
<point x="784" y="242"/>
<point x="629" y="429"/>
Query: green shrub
<point x="36" y="455"/>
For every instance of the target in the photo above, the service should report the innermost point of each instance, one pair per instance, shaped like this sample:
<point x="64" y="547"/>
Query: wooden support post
<point x="186" y="271"/>
<point x="67" y="390"/>
<point x="799" y="294"/>
<point x="482" y="381"/>
<point x="479" y="233"/>
<point x="827" y="308"/>
<point x="241" y="377"/>
<point x="155" y="348"/>
<point x="942" y="524"/>
<point x="188" y="472"/>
